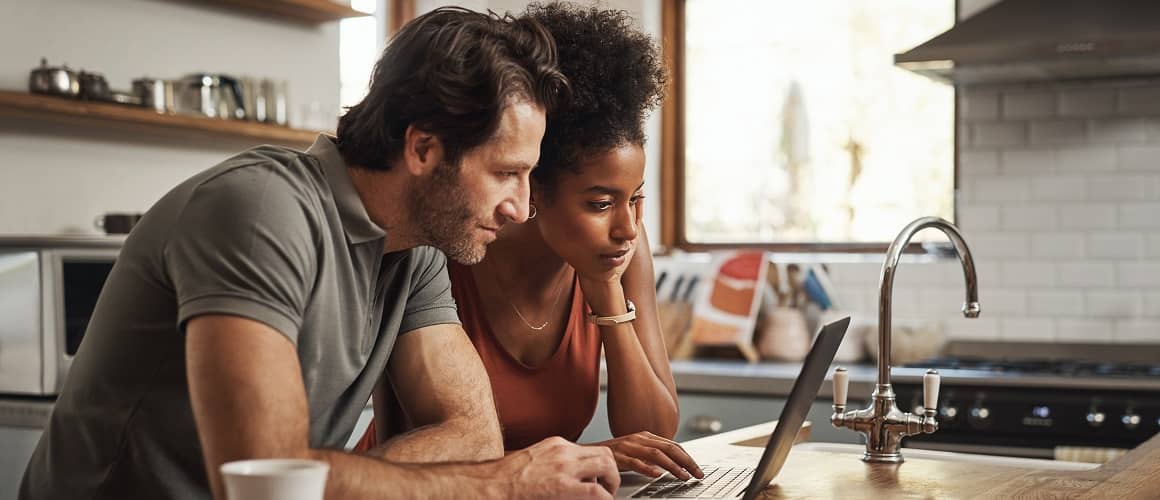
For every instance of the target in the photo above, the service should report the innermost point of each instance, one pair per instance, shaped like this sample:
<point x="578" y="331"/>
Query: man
<point x="255" y="306"/>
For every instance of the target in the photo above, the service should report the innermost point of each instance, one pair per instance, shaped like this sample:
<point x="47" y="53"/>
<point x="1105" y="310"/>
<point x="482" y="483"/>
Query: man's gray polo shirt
<point x="273" y="235"/>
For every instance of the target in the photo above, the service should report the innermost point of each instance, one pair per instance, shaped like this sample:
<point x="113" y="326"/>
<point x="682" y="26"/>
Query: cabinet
<point x="700" y="410"/>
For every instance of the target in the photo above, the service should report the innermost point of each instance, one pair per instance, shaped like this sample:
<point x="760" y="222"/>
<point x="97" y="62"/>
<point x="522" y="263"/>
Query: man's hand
<point x="652" y="455"/>
<point x="556" y="468"/>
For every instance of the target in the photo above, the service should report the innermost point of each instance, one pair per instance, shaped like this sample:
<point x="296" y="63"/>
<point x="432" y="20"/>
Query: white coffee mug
<point x="275" y="479"/>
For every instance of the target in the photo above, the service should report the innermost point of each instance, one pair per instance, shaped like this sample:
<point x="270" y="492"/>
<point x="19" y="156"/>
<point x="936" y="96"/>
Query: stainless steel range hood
<point x="1029" y="40"/>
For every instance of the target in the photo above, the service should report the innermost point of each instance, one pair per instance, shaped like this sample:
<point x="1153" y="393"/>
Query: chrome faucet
<point x="882" y="422"/>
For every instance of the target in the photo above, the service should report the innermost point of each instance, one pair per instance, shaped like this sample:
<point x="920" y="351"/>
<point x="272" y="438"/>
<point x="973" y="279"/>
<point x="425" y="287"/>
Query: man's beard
<point x="444" y="217"/>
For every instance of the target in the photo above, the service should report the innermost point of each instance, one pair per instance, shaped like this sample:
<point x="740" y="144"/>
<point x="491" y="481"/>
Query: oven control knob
<point x="949" y="412"/>
<point x="980" y="416"/>
<point x="1095" y="418"/>
<point x="1131" y="420"/>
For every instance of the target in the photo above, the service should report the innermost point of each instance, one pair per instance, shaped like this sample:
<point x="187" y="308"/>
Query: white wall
<point x="55" y="178"/>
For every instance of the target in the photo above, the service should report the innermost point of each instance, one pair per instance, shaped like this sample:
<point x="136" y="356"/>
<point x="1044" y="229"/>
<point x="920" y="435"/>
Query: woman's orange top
<point x="557" y="398"/>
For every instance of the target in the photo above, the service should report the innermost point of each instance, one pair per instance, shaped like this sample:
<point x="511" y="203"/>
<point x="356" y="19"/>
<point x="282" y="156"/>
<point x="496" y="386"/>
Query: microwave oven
<point x="48" y="289"/>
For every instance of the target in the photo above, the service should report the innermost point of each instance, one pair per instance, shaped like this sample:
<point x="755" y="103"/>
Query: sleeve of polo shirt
<point x="244" y="247"/>
<point x="430" y="301"/>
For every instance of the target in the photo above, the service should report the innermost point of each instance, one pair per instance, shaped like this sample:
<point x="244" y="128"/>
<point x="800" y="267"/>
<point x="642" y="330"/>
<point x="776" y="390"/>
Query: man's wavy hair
<point x="450" y="72"/>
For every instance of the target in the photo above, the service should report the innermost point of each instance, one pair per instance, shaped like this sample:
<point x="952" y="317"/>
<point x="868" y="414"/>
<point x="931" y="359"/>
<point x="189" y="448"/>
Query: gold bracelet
<point x="615" y="320"/>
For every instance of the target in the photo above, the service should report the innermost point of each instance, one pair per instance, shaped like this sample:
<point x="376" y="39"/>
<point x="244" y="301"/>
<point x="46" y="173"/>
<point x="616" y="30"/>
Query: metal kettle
<point x="209" y="95"/>
<point x="54" y="80"/>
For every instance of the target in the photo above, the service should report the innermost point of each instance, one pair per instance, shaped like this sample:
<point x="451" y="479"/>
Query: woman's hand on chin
<point x="652" y="455"/>
<point x="601" y="282"/>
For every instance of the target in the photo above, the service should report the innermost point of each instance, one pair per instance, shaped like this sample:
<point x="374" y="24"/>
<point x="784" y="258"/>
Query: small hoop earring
<point x="533" y="214"/>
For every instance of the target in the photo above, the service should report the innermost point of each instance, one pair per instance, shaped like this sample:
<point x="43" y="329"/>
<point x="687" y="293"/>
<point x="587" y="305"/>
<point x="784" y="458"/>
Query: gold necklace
<point x="559" y="291"/>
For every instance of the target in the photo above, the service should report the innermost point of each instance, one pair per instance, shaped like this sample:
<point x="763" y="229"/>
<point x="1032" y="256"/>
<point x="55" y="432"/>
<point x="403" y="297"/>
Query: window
<point x="360" y="41"/>
<point x="797" y="127"/>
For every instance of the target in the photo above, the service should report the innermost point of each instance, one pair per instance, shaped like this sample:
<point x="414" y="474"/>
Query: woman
<point x="530" y="305"/>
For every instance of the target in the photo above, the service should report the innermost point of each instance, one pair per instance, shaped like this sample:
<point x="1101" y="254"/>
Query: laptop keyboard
<point x="719" y="482"/>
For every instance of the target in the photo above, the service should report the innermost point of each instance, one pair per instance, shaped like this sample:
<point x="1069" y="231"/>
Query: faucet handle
<point x="841" y="383"/>
<point x="930" y="383"/>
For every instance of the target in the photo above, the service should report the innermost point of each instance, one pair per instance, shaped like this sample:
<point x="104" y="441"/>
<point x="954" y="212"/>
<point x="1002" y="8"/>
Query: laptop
<point x="730" y="482"/>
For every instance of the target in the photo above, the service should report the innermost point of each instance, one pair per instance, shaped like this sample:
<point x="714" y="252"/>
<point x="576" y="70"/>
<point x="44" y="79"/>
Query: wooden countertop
<point x="816" y="474"/>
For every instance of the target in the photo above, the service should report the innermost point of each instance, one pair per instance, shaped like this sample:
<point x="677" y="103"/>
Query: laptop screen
<point x="801" y="396"/>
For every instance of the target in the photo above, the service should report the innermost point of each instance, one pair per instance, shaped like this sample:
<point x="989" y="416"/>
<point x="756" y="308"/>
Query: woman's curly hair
<point x="616" y="77"/>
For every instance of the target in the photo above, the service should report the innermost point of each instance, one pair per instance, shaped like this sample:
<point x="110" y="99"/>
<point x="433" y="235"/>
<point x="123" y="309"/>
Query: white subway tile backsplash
<point x="1085" y="330"/>
<point x="1140" y="216"/>
<point x="986" y="271"/>
<point x="999" y="134"/>
<point x="1086" y="274"/>
<point x="1113" y="304"/>
<point x="1001" y="189"/>
<point x="1028" y="329"/>
<point x="1001" y="302"/>
<point x="1110" y="187"/>
<point x="1058" y="132"/>
<point x="1086" y="159"/>
<point x="925" y="274"/>
<point x="977" y="218"/>
<point x="1115" y="245"/>
<point x="1120" y="130"/>
<point x="854" y="274"/>
<point x="979" y="106"/>
<point x="980" y="328"/>
<point x="1087" y="102"/>
<point x="1018" y="105"/>
<point x="978" y="163"/>
<point x="941" y="302"/>
<point x="855" y="300"/>
<point x="999" y="245"/>
<point x="1151" y="305"/>
<point x="1087" y="216"/>
<point x="1140" y="158"/>
<point x="1139" y="100"/>
<point x="1057" y="245"/>
<point x="1154" y="245"/>
<point x="1138" y="331"/>
<point x="1028" y="161"/>
<point x="1030" y="273"/>
<point x="1063" y="188"/>
<point x="1055" y="303"/>
<point x="904" y="302"/>
<point x="1139" y="274"/>
<point x="1029" y="217"/>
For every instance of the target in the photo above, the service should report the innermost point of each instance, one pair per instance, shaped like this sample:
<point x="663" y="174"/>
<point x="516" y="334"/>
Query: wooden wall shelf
<point x="144" y="121"/>
<point x="310" y="11"/>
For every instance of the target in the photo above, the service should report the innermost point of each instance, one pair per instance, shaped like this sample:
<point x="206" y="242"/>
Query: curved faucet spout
<point x="886" y="283"/>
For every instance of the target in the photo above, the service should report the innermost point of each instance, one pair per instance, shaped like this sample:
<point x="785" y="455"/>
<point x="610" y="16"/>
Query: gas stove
<point x="1036" y="407"/>
<point x="1064" y="368"/>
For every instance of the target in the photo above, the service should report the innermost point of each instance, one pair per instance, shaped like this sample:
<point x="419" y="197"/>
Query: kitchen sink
<point x="856" y="450"/>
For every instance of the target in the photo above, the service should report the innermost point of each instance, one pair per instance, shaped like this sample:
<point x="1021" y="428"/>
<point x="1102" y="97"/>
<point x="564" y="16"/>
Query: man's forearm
<point x="355" y="477"/>
<point x="460" y="440"/>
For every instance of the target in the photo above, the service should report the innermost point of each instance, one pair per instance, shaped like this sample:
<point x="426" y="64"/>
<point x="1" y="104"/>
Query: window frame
<point x="672" y="161"/>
